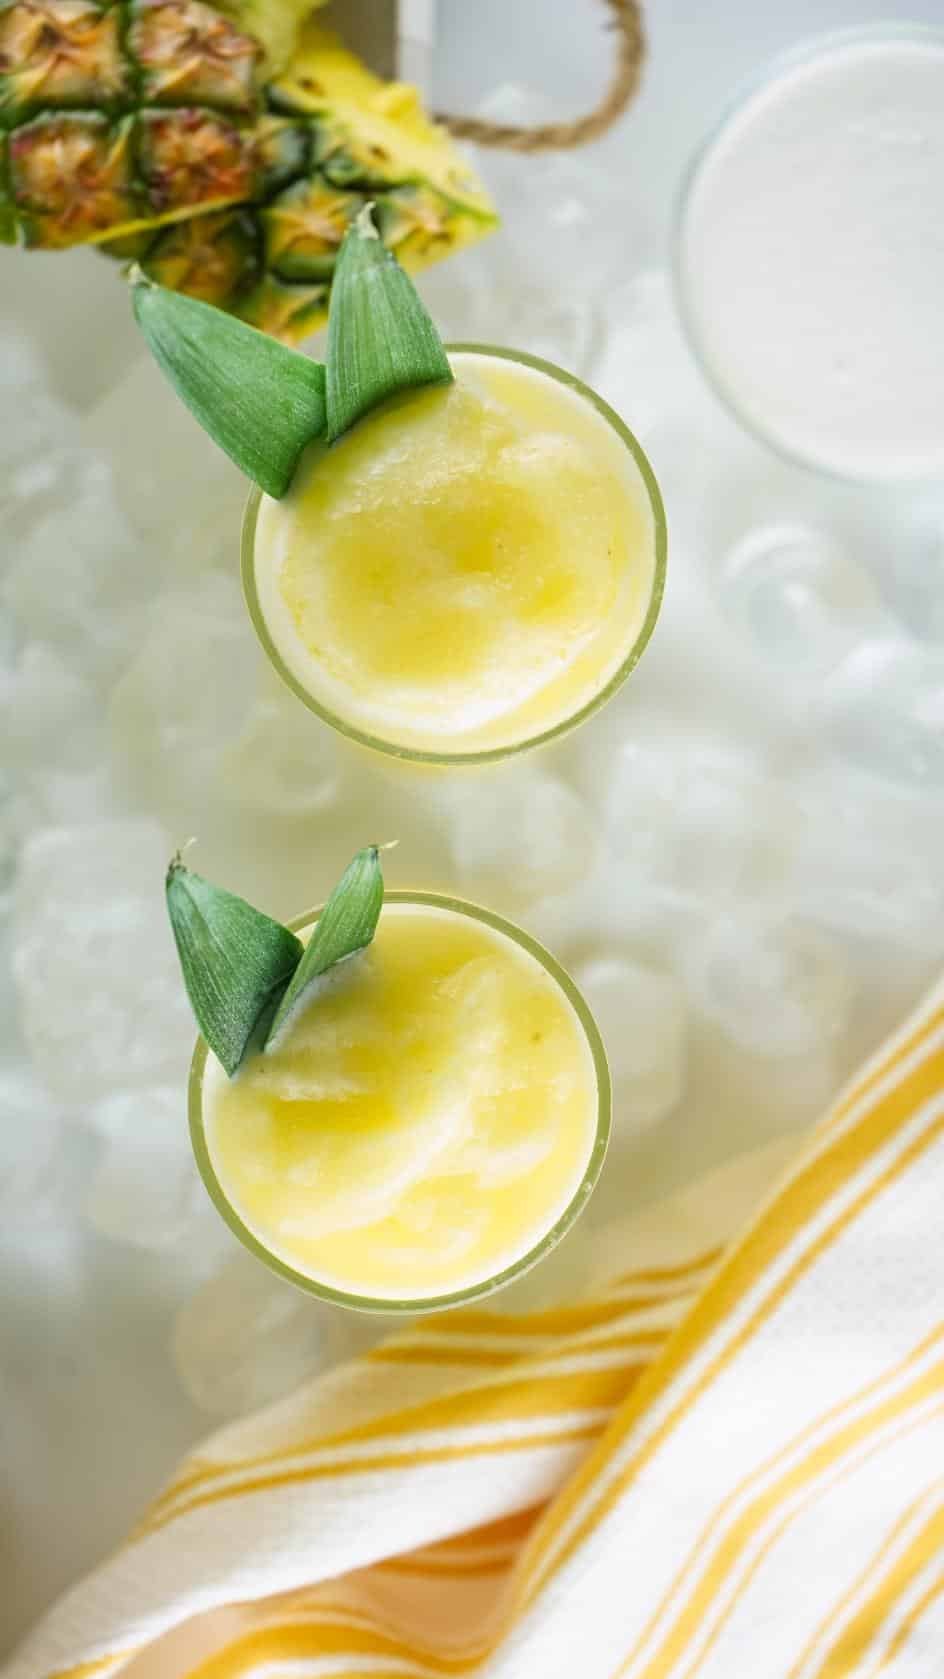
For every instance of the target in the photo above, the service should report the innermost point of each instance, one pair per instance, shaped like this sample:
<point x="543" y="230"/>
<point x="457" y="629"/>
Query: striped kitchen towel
<point x="727" y="1462"/>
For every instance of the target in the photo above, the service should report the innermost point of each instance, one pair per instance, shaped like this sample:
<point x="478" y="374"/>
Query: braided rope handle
<point x="626" y="21"/>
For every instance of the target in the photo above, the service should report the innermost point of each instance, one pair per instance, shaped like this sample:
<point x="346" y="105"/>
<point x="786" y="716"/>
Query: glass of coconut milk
<point x="809" y="255"/>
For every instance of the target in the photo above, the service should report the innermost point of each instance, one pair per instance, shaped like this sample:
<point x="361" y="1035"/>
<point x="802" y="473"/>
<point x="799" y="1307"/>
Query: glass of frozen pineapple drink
<point x="430" y="1127"/>
<point x="471" y="570"/>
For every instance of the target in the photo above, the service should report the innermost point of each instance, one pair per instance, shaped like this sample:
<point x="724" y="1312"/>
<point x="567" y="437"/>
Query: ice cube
<point x="48" y="795"/>
<point x="147" y="1191"/>
<point x="21" y="365"/>
<point x="8" y="641"/>
<point x="283" y="762"/>
<point x="643" y="1019"/>
<point x="207" y="539"/>
<point x="47" y="710"/>
<point x="41" y="422"/>
<point x="37" y="486"/>
<point x="798" y="599"/>
<point x="158" y="1110"/>
<point x="559" y="202"/>
<point x="644" y="367"/>
<point x="912" y="569"/>
<point x="8" y="832"/>
<point x="775" y="985"/>
<point x="866" y="859"/>
<point x="688" y="816"/>
<point x="33" y="1170"/>
<point x="517" y="836"/>
<point x="167" y="470"/>
<point x="504" y="291"/>
<point x="100" y="996"/>
<point x="183" y="697"/>
<point x="886" y="708"/>
<point x="247" y="1338"/>
<point x="77" y="577"/>
<point x="484" y="300"/>
<point x="521" y="105"/>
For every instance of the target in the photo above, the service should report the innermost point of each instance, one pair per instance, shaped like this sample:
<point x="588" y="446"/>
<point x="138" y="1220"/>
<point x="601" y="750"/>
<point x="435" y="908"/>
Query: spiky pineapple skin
<point x="149" y="127"/>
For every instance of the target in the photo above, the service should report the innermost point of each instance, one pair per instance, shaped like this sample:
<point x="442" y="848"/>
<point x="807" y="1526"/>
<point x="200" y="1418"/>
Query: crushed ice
<point x="740" y="857"/>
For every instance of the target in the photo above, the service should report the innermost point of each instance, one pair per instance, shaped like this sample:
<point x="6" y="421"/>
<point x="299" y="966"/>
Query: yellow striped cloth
<point x="727" y="1463"/>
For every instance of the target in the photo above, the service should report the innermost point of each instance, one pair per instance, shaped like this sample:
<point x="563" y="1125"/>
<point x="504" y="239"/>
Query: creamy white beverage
<point x="811" y="256"/>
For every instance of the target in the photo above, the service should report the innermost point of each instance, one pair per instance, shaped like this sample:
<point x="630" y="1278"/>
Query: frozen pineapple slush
<point x="432" y="1113"/>
<point x="468" y="569"/>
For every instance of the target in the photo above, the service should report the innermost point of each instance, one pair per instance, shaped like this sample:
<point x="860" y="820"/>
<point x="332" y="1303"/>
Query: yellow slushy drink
<point x="434" y="1117"/>
<point x="469" y="570"/>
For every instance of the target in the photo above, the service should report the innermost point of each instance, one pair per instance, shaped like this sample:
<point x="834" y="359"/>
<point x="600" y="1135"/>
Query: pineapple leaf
<point x="236" y="962"/>
<point x="346" y="925"/>
<point x="259" y="400"/>
<point x="380" y="337"/>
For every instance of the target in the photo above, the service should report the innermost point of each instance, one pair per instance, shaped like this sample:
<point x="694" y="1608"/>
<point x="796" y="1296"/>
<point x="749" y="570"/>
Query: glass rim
<point x="551" y="1237"/>
<point x="747" y="86"/>
<point x="491" y="754"/>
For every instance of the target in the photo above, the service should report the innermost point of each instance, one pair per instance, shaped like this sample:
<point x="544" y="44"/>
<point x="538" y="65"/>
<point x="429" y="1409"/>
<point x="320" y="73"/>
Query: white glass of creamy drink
<point x="809" y="256"/>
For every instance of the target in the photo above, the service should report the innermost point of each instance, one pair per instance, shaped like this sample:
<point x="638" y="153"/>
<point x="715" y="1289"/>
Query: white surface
<point x="726" y="800"/>
<point x="811" y="259"/>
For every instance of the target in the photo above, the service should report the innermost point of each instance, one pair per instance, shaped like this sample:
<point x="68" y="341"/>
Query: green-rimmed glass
<point x="607" y="690"/>
<point x="549" y="1241"/>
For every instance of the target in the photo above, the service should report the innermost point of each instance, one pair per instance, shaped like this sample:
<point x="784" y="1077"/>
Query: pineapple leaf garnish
<point x="346" y="925"/>
<point x="264" y="403"/>
<point x="259" y="400"/>
<point x="380" y="337"/>
<point x="245" y="974"/>
<point x="236" y="962"/>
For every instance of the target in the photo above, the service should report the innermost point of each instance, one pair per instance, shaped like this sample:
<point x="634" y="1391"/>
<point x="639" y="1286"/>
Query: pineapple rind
<point x="191" y="158"/>
<point x="68" y="67"/>
<point x="47" y="155"/>
<point x="61" y="55"/>
<point x="218" y="182"/>
<point x="189" y="53"/>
